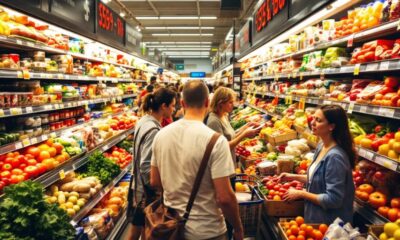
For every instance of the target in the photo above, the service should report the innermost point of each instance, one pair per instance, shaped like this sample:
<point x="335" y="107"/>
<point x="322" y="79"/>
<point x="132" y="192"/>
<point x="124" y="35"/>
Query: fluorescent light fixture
<point x="122" y="14"/>
<point x="163" y="43"/>
<point x="187" y="56"/>
<point x="176" y="17"/>
<point x="170" y="0"/>
<point x="179" y="46"/>
<point x="185" y="53"/>
<point x="182" y="34"/>
<point x="182" y="49"/>
<point x="179" y="28"/>
<point x="317" y="17"/>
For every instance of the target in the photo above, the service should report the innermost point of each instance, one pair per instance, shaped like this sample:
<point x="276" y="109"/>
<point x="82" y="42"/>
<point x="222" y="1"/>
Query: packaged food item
<point x="14" y="61"/>
<point x="368" y="93"/>
<point x="335" y="57"/>
<point x="394" y="10"/>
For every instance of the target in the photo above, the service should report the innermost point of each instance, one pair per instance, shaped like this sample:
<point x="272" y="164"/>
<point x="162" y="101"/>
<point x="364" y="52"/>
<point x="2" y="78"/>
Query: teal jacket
<point x="333" y="182"/>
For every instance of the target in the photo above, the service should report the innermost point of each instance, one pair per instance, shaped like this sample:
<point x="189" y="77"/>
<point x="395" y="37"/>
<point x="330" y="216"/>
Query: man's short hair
<point x="153" y="79"/>
<point x="195" y="93"/>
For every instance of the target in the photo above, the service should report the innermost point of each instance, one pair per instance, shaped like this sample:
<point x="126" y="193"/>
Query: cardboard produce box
<point x="282" y="231"/>
<point x="283" y="209"/>
<point x="283" y="138"/>
<point x="375" y="230"/>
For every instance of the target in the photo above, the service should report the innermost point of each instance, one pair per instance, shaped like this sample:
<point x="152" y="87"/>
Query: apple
<point x="395" y="202"/>
<point x="391" y="82"/>
<point x="392" y="214"/>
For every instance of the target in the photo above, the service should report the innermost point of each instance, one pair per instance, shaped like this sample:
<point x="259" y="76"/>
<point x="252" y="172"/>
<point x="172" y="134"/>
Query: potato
<point x="85" y="195"/>
<point x="92" y="191"/>
<point x="81" y="187"/>
<point x="67" y="187"/>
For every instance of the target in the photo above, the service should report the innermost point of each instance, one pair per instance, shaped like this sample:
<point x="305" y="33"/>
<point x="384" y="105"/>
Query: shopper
<point x="147" y="90"/>
<point x="177" y="152"/>
<point x="157" y="106"/>
<point x="218" y="119"/>
<point x="330" y="187"/>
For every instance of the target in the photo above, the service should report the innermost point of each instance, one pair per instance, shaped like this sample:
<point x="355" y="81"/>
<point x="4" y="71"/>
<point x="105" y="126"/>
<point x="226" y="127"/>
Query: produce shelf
<point x="34" y="140"/>
<point x="32" y="45"/>
<point x="56" y="174"/>
<point x="263" y="110"/>
<point x="119" y="226"/>
<point x="378" y="159"/>
<point x="96" y="199"/>
<point x="61" y="76"/>
<point x="365" y="35"/>
<point x="368" y="213"/>
<point x="389" y="112"/>
<point x="16" y="111"/>
<point x="372" y="67"/>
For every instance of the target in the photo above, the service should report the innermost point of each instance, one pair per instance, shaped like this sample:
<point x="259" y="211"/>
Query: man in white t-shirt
<point x="177" y="152"/>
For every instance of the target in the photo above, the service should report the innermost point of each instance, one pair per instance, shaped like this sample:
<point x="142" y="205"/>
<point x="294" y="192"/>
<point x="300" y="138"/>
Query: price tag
<point x="288" y="76"/>
<point x="44" y="137"/>
<point x="26" y="142"/>
<point x="114" y="80"/>
<point x="302" y="103"/>
<point x="375" y="110"/>
<point x="363" y="109"/>
<point x="357" y="69"/>
<point x="350" y="41"/>
<point x="388" y="112"/>
<point x="326" y="102"/>
<point x="61" y="105"/>
<point x="294" y="74"/>
<point x="26" y="75"/>
<point x="30" y="44"/>
<point x="351" y="107"/>
<point x="119" y="98"/>
<point x="369" y="155"/>
<point x="384" y="66"/>
<point x="19" y="42"/>
<point x="288" y="99"/>
<point x="62" y="174"/>
<point x="372" y="67"/>
<point x="19" y="74"/>
<point x="105" y="148"/>
<point x="29" y="109"/>
<point x="43" y="75"/>
<point x="60" y="76"/>
<point x="18" y="145"/>
<point x="15" y="111"/>
<point x="361" y="152"/>
<point x="385" y="162"/>
<point x="53" y="135"/>
<point x="34" y="140"/>
<point x="48" y="107"/>
<point x="113" y="100"/>
<point x="301" y="75"/>
<point x="1" y="113"/>
<point x="56" y="106"/>
<point x="276" y="77"/>
<point x="322" y="74"/>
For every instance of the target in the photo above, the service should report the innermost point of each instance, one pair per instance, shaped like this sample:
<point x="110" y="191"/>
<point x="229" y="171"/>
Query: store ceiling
<point x="183" y="27"/>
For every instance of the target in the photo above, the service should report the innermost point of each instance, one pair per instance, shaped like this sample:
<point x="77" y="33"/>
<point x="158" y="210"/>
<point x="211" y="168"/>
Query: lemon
<point x="240" y="187"/>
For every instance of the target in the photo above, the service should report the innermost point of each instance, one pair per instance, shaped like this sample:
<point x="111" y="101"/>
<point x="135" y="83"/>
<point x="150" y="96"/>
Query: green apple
<point x="390" y="228"/>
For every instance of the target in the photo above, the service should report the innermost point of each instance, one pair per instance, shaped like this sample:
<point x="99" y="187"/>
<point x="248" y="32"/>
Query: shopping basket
<point x="250" y="212"/>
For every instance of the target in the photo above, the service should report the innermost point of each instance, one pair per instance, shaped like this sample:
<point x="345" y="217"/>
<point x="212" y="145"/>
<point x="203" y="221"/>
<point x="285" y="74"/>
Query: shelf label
<point x="18" y="145"/>
<point x="48" y="107"/>
<point x="361" y="152"/>
<point x="294" y="74"/>
<point x="113" y="100"/>
<point x="289" y="75"/>
<point x="363" y="109"/>
<point x="29" y="109"/>
<point x="301" y="74"/>
<point x="386" y="162"/>
<point x="61" y="105"/>
<point x="288" y="99"/>
<point x="372" y="67"/>
<point x="114" y="80"/>
<point x="351" y="108"/>
<point x="53" y="135"/>
<point x="350" y="41"/>
<point x="43" y="75"/>
<point x="56" y="106"/>
<point x="62" y="174"/>
<point x="369" y="155"/>
<point x="322" y="74"/>
<point x="60" y="76"/>
<point x="387" y="112"/>
<point x="30" y="44"/>
<point x="34" y="140"/>
<point x="26" y="142"/>
<point x="26" y="75"/>
<point x="20" y="74"/>
<point x="19" y="42"/>
<point x="1" y="113"/>
<point x="15" y="111"/>
<point x="44" y="137"/>
<point x="384" y="66"/>
<point x="357" y="69"/>
<point x="326" y="102"/>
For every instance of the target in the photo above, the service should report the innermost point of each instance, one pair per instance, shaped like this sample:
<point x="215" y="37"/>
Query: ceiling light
<point x="178" y="17"/>
<point x="182" y="34"/>
<point x="208" y="17"/>
<point x="147" y="18"/>
<point x="187" y="56"/>
<point x="106" y="1"/>
<point x="122" y="14"/>
<point x="179" y="46"/>
<point x="178" y="28"/>
<point x="163" y="43"/>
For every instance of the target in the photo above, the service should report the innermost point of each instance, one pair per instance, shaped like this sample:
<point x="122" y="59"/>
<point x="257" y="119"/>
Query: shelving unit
<point x="119" y="226"/>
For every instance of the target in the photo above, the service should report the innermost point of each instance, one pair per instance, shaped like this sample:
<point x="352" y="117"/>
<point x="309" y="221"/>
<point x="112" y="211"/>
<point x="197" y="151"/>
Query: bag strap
<point x="200" y="175"/>
<point x="137" y="155"/>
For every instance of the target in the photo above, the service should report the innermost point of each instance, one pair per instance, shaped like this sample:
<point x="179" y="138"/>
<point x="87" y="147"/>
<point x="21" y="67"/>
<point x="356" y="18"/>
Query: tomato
<point x="366" y="188"/>
<point x="15" y="162"/>
<point x="395" y="202"/>
<point x="7" y="167"/>
<point x="362" y="195"/>
<point x="1" y="165"/>
<point x="377" y="199"/>
<point x="383" y="211"/>
<point x="16" y="179"/>
<point x="6" y="181"/>
<point x="9" y="160"/>
<point x="23" y="165"/>
<point x="392" y="214"/>
<point x="5" y="174"/>
<point x="29" y="156"/>
<point x="17" y="171"/>
<point x="32" y="162"/>
<point x="41" y="168"/>
<point x="32" y="171"/>
<point x="58" y="147"/>
<point x="34" y="151"/>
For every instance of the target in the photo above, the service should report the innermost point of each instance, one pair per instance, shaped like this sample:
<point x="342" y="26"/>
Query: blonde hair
<point x="221" y="95"/>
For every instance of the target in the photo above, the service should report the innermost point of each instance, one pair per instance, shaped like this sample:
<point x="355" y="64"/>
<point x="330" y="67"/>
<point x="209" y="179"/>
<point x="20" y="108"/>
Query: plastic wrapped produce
<point x="334" y="57"/>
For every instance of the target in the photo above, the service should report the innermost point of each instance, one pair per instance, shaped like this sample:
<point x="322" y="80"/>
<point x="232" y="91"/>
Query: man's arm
<point x="226" y="200"/>
<point x="155" y="180"/>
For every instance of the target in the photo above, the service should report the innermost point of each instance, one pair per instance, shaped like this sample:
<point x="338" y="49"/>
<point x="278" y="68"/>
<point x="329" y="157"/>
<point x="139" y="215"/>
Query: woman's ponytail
<point x="153" y="101"/>
<point x="148" y="102"/>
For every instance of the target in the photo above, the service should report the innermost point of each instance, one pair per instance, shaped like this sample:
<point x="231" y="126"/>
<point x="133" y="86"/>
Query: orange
<point x="10" y="154"/>
<point x="60" y="158"/>
<point x="43" y="155"/>
<point x="58" y="147"/>
<point x="16" y="154"/>
<point x="52" y="151"/>
<point x="309" y="231"/>
<point x="323" y="228"/>
<point x="288" y="232"/>
<point x="292" y="237"/>
<point x="29" y="156"/>
<point x="299" y="220"/>
<point x="293" y="222"/>
<point x="50" y="142"/>
<point x="43" y="147"/>
<point x="303" y="226"/>
<point x="55" y="162"/>
<point x="302" y="233"/>
<point x="318" y="235"/>
<point x="48" y="163"/>
<point x="301" y="237"/>
<point x="34" y="151"/>
<point x="294" y="229"/>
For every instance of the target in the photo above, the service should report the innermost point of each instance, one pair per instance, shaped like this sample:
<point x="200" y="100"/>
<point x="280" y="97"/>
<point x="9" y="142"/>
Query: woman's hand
<point x="250" y="132"/>
<point x="292" y="195"/>
<point x="284" y="177"/>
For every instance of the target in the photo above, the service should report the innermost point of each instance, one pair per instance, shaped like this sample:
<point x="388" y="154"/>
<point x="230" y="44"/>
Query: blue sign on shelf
<point x="197" y="74"/>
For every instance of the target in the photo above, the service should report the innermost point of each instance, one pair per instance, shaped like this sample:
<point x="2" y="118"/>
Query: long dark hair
<point x="153" y="101"/>
<point x="335" y="114"/>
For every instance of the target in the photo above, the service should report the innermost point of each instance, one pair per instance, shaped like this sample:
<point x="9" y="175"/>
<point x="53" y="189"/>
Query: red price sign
<point x="267" y="11"/>
<point x="110" y="25"/>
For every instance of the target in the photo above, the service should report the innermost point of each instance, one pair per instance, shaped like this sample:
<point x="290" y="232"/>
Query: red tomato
<point x="41" y="168"/>
<point x="15" y="162"/>
<point x="8" y="160"/>
<point x="7" y="167"/>
<point x="32" y="171"/>
<point x="5" y="174"/>
<point x="31" y="162"/>
<point x="17" y="171"/>
<point x="16" y="179"/>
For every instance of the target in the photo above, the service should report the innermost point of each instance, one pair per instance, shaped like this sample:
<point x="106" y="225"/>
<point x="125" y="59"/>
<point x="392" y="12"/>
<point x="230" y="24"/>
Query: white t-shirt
<point x="177" y="152"/>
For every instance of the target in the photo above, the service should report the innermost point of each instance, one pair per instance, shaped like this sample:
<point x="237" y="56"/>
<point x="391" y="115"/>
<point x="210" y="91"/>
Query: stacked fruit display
<point x="386" y="144"/>
<point x="120" y="156"/>
<point x="296" y="229"/>
<point x="277" y="188"/>
<point x="390" y="231"/>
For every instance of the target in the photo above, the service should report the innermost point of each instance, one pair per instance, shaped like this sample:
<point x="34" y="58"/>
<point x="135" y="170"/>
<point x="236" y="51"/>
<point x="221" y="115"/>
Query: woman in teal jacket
<point x="329" y="180"/>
